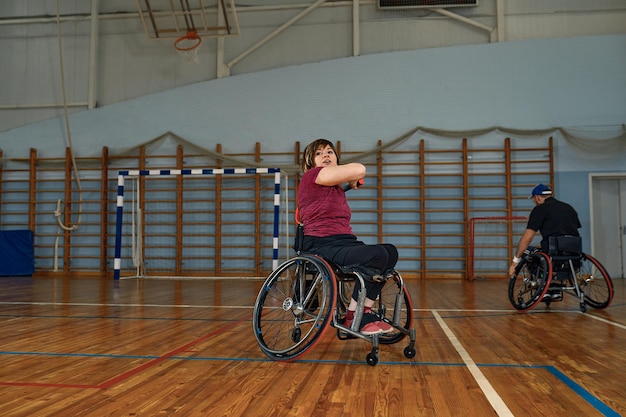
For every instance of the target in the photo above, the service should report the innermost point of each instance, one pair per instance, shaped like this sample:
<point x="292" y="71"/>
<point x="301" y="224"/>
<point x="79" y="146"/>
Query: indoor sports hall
<point x="151" y="251"/>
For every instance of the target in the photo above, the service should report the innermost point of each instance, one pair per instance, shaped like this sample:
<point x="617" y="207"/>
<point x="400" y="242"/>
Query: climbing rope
<point x="76" y="174"/>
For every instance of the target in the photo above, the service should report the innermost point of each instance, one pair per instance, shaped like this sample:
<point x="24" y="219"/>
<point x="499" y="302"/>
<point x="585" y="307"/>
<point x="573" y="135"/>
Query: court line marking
<point x="112" y="381"/>
<point x="577" y="388"/>
<point x="586" y="395"/>
<point x="421" y="310"/>
<point x="492" y="396"/>
<point x="42" y="303"/>
<point x="131" y="372"/>
<point x="602" y="319"/>
<point x="474" y="369"/>
<point x="574" y="386"/>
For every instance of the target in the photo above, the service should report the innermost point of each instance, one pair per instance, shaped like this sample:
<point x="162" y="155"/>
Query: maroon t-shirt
<point x="323" y="210"/>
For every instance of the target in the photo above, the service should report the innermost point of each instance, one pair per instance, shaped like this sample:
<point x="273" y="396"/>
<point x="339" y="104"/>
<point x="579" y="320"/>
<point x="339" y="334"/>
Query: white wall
<point x="534" y="84"/>
<point x="128" y="65"/>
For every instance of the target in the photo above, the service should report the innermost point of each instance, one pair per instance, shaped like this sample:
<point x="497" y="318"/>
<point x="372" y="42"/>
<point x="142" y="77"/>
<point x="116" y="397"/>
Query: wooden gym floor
<point x="85" y="346"/>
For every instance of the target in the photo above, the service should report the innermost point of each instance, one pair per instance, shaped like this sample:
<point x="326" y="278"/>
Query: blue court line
<point x="577" y="388"/>
<point x="80" y="355"/>
<point x="586" y="395"/>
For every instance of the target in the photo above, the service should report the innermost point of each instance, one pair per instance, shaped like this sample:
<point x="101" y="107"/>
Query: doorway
<point x="607" y="193"/>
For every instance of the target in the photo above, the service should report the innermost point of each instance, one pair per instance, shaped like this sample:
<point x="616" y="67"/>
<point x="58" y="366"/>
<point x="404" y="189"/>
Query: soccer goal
<point x="492" y="243"/>
<point x="197" y="222"/>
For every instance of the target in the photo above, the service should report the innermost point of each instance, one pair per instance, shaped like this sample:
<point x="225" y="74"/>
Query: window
<point x="409" y="4"/>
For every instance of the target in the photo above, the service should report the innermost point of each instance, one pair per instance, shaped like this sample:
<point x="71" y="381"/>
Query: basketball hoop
<point x="187" y="46"/>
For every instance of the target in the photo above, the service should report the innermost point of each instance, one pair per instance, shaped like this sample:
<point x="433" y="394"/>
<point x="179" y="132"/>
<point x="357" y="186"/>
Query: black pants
<point x="347" y="250"/>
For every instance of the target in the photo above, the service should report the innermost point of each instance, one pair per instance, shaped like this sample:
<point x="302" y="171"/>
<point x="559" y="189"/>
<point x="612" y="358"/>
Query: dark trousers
<point x="345" y="250"/>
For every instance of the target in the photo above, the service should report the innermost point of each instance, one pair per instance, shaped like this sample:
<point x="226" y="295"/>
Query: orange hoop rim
<point x="192" y="35"/>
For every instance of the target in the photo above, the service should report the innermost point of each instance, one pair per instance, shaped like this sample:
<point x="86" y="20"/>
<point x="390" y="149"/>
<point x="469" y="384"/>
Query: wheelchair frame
<point x="305" y="295"/>
<point x="566" y="269"/>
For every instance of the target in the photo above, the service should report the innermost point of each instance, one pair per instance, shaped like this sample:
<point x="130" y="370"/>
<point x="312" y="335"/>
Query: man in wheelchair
<point x="552" y="218"/>
<point x="323" y="210"/>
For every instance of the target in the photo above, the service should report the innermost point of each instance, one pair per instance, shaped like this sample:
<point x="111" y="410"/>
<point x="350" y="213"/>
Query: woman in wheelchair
<point x="323" y="210"/>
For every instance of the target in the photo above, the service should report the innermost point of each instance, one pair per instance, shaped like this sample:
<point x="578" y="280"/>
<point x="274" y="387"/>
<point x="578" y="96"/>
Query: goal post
<point x="180" y="223"/>
<point x="491" y="245"/>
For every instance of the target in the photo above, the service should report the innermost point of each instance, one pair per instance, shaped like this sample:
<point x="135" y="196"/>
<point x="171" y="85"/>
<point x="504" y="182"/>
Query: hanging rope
<point x="76" y="175"/>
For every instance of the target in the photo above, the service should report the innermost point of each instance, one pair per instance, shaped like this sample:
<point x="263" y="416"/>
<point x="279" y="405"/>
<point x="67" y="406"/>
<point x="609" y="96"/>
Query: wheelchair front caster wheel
<point x="409" y="352"/>
<point x="296" y="334"/>
<point x="372" y="359"/>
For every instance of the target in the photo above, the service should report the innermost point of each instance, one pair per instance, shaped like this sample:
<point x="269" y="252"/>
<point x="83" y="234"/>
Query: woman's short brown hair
<point x="308" y="156"/>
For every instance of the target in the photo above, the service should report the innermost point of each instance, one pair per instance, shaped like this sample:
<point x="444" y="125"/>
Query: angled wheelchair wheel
<point x="394" y="303"/>
<point x="294" y="307"/>
<point x="594" y="282"/>
<point x="530" y="282"/>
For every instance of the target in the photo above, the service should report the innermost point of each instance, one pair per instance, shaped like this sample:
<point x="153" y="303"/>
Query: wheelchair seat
<point x="568" y="246"/>
<point x="565" y="253"/>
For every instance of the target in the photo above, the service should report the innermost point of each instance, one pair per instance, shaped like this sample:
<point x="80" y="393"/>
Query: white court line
<point x="621" y="326"/>
<point x="449" y="310"/>
<point x="492" y="396"/>
<point x="120" y="305"/>
<point x="553" y="311"/>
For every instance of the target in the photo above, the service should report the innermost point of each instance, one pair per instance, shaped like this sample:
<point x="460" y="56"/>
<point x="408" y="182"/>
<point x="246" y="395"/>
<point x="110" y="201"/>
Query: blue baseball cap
<point x="541" y="189"/>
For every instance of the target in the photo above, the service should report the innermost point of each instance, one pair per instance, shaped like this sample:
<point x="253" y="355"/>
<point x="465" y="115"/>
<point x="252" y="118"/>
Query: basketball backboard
<point x="175" y="18"/>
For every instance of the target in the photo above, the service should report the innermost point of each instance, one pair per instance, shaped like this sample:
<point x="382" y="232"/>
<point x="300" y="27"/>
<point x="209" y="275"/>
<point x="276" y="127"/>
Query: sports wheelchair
<point x="305" y="295"/>
<point x="565" y="268"/>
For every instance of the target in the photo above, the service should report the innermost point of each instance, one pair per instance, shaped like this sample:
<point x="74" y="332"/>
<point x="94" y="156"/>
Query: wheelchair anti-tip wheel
<point x="594" y="282"/>
<point x="294" y="307"/>
<point x="531" y="281"/>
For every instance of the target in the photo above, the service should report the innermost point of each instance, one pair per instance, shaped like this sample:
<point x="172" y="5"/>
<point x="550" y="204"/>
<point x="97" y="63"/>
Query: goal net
<point x="492" y="243"/>
<point x="197" y="223"/>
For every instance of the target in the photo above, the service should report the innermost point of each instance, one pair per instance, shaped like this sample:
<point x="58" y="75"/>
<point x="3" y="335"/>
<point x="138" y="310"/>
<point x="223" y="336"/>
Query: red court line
<point x="160" y="359"/>
<point x="132" y="372"/>
<point x="41" y="384"/>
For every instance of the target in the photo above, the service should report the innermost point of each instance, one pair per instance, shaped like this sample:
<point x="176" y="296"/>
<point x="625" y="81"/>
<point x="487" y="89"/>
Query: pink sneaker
<point x="370" y="329"/>
<point x="384" y="326"/>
